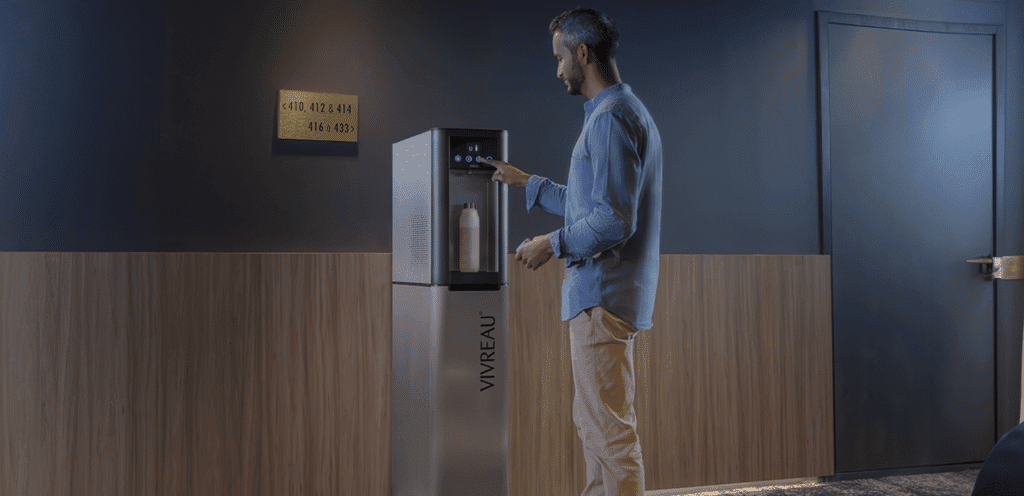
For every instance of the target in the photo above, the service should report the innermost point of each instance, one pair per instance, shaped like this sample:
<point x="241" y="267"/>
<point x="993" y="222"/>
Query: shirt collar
<point x="614" y="89"/>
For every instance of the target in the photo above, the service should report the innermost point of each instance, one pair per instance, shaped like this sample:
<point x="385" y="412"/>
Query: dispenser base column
<point x="449" y="384"/>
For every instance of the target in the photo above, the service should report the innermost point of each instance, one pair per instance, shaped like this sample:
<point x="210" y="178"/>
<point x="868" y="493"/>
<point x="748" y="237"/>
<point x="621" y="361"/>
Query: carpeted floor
<point x="942" y="484"/>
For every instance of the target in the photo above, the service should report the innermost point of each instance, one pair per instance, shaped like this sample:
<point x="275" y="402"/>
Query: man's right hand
<point x="507" y="174"/>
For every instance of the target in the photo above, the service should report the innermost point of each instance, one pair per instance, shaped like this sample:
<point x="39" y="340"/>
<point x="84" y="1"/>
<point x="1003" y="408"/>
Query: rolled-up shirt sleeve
<point x="549" y="196"/>
<point x="616" y="165"/>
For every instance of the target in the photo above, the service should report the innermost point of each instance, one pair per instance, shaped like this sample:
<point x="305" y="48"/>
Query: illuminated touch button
<point x="490" y="158"/>
<point x="479" y="158"/>
<point x="458" y="158"/>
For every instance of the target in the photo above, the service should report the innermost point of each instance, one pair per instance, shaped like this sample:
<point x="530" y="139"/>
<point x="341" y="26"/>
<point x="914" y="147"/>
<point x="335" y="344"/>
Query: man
<point x="610" y="243"/>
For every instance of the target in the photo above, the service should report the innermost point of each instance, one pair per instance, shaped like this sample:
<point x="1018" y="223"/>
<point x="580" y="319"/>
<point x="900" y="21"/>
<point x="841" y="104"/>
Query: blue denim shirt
<point x="612" y="209"/>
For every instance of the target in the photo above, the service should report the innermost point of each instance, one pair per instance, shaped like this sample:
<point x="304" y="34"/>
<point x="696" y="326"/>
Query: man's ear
<point x="583" y="54"/>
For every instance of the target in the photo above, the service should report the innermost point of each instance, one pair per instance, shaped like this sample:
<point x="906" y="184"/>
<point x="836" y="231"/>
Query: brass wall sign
<point x="305" y="115"/>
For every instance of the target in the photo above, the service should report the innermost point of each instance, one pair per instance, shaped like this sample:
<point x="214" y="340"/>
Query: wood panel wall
<point x="734" y="381"/>
<point x="165" y="373"/>
<point x="206" y="374"/>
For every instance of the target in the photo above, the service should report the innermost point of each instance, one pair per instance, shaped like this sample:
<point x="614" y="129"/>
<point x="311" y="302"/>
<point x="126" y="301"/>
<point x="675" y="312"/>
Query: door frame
<point x="1008" y="320"/>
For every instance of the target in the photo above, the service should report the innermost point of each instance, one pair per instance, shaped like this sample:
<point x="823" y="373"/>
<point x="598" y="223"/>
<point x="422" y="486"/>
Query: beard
<point x="575" y="86"/>
<point x="575" y="80"/>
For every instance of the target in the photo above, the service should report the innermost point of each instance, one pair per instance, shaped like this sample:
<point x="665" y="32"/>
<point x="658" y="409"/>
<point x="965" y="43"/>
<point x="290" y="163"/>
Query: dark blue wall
<point x="139" y="127"/>
<point x="79" y="90"/>
<point x="148" y="126"/>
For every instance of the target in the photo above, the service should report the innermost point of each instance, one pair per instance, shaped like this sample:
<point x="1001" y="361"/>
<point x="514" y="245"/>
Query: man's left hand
<point x="536" y="252"/>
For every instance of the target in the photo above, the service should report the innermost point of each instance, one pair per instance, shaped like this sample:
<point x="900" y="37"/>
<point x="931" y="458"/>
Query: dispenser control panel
<point x="468" y="153"/>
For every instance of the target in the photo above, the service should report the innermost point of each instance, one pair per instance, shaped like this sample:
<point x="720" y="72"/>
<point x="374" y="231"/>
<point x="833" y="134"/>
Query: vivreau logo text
<point x="487" y="350"/>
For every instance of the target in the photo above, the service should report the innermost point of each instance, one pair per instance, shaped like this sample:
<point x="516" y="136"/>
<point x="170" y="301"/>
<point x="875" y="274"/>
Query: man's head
<point x="583" y="37"/>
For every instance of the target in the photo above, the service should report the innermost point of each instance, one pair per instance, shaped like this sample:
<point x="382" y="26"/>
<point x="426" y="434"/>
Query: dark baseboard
<point x="876" y="474"/>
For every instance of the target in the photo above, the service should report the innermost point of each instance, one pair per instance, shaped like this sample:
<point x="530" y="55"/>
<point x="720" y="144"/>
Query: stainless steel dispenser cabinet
<point x="449" y="355"/>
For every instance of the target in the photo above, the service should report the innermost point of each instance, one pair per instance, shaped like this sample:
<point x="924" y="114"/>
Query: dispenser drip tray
<point x="474" y="281"/>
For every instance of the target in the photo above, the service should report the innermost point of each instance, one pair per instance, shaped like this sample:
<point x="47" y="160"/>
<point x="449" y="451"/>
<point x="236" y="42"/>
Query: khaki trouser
<point x="602" y="368"/>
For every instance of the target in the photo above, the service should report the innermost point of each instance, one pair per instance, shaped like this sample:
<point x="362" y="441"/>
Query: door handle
<point x="1001" y="267"/>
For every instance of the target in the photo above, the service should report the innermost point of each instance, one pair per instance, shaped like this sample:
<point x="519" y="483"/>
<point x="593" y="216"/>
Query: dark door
<point x="908" y="160"/>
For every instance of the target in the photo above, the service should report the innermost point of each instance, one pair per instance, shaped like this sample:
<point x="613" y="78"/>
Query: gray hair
<point x="588" y="27"/>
